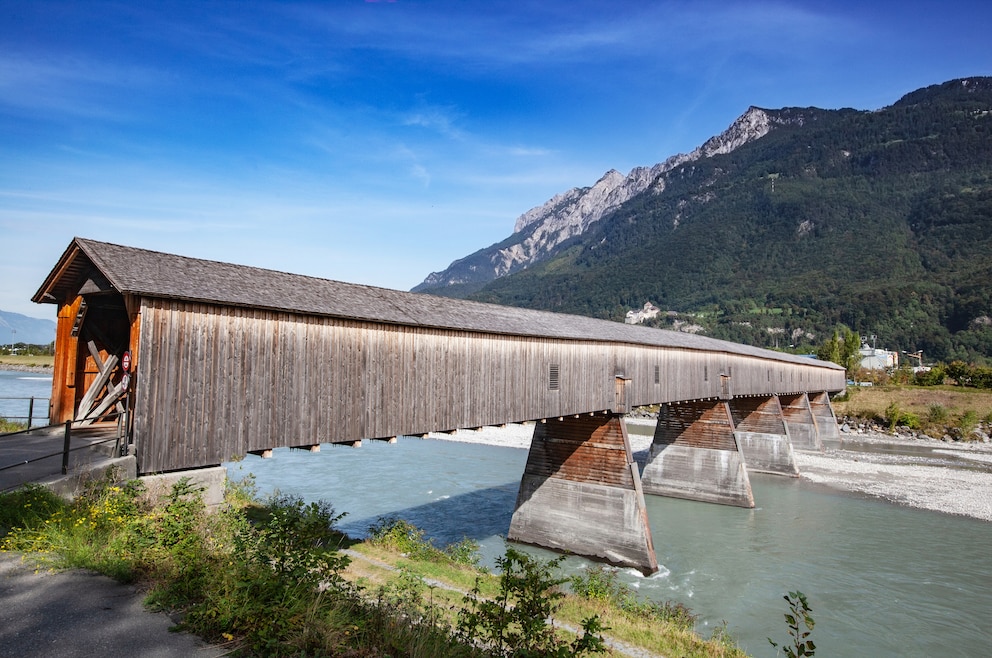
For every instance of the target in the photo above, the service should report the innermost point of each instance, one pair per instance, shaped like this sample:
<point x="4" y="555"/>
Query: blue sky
<point x="376" y="142"/>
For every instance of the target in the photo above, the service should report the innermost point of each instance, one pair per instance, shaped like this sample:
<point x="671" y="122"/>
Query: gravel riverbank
<point x="954" y="478"/>
<point x="16" y="367"/>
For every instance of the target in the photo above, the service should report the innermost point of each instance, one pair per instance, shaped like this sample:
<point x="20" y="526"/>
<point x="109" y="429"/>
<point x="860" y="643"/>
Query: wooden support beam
<point x="801" y="422"/>
<point x="264" y="454"/>
<point x="92" y="394"/>
<point x="581" y="493"/>
<point x="762" y="435"/>
<point x="314" y="447"/>
<point x="114" y="393"/>
<point x="695" y="455"/>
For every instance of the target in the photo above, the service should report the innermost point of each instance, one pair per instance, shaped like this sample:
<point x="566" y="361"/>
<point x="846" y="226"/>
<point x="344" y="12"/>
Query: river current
<point x="21" y="386"/>
<point x="883" y="580"/>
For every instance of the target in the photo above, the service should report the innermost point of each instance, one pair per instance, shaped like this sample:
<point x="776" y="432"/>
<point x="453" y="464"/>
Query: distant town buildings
<point x="877" y="359"/>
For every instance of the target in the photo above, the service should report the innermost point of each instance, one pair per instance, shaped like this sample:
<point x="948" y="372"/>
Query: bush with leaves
<point x="516" y="623"/>
<point x="601" y="583"/>
<point x="800" y="624"/>
<point x="406" y="538"/>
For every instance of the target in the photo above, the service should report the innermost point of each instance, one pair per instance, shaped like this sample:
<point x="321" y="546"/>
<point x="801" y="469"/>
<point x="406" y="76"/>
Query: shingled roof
<point x="155" y="274"/>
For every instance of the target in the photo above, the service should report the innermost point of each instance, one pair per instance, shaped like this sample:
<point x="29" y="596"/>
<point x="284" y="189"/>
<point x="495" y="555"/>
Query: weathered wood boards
<point x="801" y="422"/>
<point x="695" y="455"/>
<point x="581" y="492"/>
<point x="762" y="435"/>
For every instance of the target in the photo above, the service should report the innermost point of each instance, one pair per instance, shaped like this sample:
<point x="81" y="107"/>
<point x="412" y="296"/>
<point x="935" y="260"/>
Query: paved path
<point x="42" y="448"/>
<point x="79" y="613"/>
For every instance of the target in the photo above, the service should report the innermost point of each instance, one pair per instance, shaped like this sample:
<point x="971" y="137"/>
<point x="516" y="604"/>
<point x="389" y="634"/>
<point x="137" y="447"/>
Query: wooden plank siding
<point x="229" y="359"/>
<point x="217" y="382"/>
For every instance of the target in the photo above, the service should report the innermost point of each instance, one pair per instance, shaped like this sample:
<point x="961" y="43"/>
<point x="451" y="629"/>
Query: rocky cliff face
<point x="538" y="231"/>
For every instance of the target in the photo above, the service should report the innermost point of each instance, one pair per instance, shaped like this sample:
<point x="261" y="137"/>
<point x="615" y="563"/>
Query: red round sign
<point x="126" y="362"/>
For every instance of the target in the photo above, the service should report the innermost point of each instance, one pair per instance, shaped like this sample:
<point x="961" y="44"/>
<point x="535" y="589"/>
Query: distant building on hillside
<point x="875" y="359"/>
<point x="637" y="317"/>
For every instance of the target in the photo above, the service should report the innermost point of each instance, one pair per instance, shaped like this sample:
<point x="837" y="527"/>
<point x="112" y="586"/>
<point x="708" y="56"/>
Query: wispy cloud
<point x="72" y="85"/>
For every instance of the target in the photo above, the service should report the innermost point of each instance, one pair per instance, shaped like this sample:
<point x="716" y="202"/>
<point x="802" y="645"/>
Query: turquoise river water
<point x="883" y="580"/>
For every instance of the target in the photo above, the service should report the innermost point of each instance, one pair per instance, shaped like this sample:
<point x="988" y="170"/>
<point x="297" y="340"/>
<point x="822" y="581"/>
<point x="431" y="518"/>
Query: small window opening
<point x="657" y="374"/>
<point x="553" y="380"/>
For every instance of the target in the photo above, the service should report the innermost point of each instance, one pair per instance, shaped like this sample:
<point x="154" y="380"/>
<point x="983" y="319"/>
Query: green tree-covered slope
<point x="879" y="220"/>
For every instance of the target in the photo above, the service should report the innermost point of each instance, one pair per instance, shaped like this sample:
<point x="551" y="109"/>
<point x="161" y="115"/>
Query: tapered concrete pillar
<point x="823" y="411"/>
<point x="581" y="493"/>
<point x="762" y="435"/>
<point x="695" y="455"/>
<point x="801" y="422"/>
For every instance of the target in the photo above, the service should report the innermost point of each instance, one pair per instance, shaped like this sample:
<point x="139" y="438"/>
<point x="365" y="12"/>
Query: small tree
<point x="516" y="623"/>
<point x="844" y="349"/>
<point x="797" y="619"/>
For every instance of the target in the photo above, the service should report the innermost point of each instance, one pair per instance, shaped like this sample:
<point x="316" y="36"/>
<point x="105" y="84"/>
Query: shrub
<point x="933" y="377"/>
<point x="515" y="622"/>
<point x="7" y="426"/>
<point x="601" y="583"/>
<point x="967" y="424"/>
<point x="897" y="417"/>
<point x="406" y="538"/>
<point x="800" y="624"/>
<point x="937" y="414"/>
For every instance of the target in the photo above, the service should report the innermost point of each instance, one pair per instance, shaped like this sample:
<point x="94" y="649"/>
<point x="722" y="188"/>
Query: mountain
<point x="16" y="328"/>
<point x="538" y="231"/>
<point x="788" y="223"/>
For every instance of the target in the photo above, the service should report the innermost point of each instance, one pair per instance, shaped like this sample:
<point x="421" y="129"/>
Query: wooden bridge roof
<point x="141" y="272"/>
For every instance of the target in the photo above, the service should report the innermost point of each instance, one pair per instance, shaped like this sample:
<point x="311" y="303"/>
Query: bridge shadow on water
<point x="475" y="515"/>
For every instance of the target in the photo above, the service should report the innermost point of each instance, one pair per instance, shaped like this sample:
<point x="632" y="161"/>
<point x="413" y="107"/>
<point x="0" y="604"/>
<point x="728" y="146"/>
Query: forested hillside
<point x="879" y="220"/>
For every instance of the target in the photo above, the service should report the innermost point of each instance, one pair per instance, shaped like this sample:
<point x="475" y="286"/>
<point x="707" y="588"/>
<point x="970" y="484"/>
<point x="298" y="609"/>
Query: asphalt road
<point x="79" y="613"/>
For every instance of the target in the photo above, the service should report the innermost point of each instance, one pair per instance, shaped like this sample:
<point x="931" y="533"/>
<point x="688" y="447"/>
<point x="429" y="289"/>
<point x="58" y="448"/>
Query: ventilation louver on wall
<point x="553" y="377"/>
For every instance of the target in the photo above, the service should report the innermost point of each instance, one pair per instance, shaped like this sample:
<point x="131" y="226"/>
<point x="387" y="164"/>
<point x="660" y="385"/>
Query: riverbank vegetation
<point x="276" y="578"/>
<point x="27" y="360"/>
<point x="11" y="426"/>
<point x="938" y="411"/>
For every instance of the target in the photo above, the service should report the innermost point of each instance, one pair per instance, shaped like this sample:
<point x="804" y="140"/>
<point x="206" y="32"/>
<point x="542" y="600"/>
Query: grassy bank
<point x="276" y="578"/>
<point x="25" y="360"/>
<point x="937" y="410"/>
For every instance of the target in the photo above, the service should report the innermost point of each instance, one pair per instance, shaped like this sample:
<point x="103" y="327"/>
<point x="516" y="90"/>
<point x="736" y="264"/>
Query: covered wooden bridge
<point x="213" y="360"/>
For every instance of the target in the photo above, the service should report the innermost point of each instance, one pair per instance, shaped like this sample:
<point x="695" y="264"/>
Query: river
<point x="23" y="385"/>
<point x="883" y="580"/>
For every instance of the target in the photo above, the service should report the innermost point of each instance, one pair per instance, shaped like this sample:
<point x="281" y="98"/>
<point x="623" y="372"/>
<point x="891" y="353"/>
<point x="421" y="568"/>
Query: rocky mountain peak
<point x="566" y="215"/>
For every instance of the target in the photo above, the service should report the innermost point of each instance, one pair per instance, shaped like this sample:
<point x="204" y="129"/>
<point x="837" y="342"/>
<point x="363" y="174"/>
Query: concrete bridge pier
<point x="823" y="411"/>
<point x="800" y="421"/>
<point x="581" y="492"/>
<point x="695" y="455"/>
<point x="762" y="435"/>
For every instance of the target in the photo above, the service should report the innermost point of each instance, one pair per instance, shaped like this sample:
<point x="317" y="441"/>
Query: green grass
<point x="268" y="578"/>
<point x="27" y="360"/>
<point x="11" y="426"/>
<point x="934" y="409"/>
